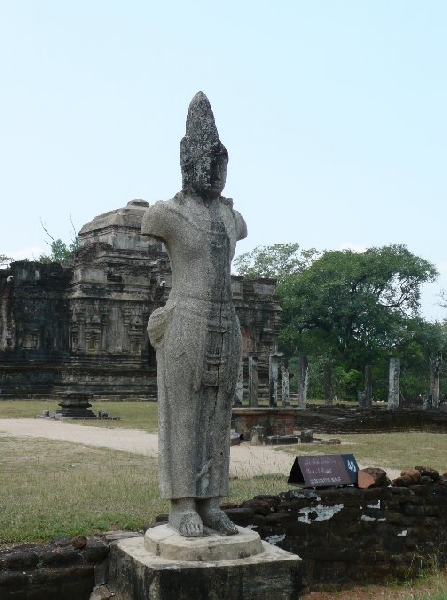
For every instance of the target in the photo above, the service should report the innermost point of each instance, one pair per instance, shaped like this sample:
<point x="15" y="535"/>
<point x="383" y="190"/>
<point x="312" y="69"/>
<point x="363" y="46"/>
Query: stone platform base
<point x="165" y="542"/>
<point x="135" y="573"/>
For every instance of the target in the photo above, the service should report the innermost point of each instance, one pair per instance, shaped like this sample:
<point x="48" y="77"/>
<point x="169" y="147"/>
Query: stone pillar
<point x="285" y="386"/>
<point x="253" y="380"/>
<point x="273" y="378"/>
<point x="393" y="393"/>
<point x="435" y="367"/>
<point x="328" y="384"/>
<point x="362" y="399"/>
<point x="368" y="386"/>
<point x="302" y="374"/>
<point x="239" y="392"/>
<point x="427" y="402"/>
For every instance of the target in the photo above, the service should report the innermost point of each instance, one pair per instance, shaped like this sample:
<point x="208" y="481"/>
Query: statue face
<point x="206" y="174"/>
<point x="218" y="178"/>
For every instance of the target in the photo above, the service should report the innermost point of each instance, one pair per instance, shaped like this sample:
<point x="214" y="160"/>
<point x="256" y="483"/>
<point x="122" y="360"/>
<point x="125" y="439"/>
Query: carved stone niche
<point x="30" y="341"/>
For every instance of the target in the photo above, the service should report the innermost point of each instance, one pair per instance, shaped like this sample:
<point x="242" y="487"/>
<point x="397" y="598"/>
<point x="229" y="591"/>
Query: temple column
<point x="253" y="380"/>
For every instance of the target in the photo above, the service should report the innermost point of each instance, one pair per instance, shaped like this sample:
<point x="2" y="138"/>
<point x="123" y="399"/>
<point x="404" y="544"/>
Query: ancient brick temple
<point x="82" y="327"/>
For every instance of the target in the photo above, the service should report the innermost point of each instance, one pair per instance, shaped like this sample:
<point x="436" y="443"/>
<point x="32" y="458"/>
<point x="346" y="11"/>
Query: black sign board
<point x="324" y="471"/>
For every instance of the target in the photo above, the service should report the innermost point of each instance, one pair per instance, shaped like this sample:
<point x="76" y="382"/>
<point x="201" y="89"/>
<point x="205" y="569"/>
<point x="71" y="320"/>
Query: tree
<point x="60" y="251"/>
<point x="421" y="348"/>
<point x="277" y="261"/>
<point x="352" y="304"/>
<point x="4" y="260"/>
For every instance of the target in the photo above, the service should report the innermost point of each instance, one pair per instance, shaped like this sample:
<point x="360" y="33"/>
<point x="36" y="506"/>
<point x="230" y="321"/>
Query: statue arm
<point x="155" y="222"/>
<point x="241" y="227"/>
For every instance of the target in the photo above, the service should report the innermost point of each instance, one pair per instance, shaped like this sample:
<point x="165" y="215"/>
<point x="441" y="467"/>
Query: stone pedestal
<point x="76" y="406"/>
<point x="164" y="565"/>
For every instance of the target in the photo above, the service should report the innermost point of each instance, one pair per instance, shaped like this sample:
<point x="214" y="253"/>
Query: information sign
<point x="324" y="471"/>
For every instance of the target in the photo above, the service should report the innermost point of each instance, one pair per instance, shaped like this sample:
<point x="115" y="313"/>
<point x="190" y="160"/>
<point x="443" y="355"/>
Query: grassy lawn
<point x="50" y="489"/>
<point x="132" y="415"/>
<point x="386" y="450"/>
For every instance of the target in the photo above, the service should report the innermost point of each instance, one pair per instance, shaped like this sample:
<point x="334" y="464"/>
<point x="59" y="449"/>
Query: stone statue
<point x="196" y="335"/>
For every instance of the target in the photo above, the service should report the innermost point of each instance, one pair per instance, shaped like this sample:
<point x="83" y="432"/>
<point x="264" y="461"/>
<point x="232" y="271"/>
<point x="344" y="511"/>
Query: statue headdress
<point x="201" y="147"/>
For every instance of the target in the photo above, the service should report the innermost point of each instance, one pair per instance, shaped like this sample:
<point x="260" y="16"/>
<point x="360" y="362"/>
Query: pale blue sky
<point x="334" y="114"/>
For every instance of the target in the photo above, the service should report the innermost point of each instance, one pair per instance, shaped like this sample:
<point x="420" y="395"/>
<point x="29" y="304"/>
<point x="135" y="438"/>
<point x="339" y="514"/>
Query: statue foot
<point x="216" y="519"/>
<point x="185" y="519"/>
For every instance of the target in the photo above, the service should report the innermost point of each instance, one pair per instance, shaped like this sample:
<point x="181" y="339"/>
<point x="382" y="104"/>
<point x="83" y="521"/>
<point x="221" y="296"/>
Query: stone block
<point x="136" y="574"/>
<point x="165" y="542"/>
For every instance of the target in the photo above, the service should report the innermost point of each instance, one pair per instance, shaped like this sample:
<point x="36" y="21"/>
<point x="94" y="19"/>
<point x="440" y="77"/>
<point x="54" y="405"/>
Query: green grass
<point x="386" y="450"/>
<point x="132" y="415"/>
<point x="21" y="409"/>
<point x="51" y="489"/>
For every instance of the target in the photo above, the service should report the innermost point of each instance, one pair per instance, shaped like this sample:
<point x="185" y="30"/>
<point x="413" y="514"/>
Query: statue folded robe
<point x="198" y="343"/>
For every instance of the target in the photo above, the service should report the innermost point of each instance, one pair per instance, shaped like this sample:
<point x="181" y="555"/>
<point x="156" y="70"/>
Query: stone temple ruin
<point x="81" y="328"/>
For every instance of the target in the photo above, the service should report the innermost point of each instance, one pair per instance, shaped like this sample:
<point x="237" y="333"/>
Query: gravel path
<point x="245" y="460"/>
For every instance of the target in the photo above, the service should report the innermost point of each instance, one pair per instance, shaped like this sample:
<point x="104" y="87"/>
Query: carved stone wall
<point x="82" y="327"/>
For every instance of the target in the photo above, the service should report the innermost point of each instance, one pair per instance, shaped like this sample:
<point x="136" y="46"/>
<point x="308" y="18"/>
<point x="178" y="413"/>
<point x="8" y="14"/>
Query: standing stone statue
<point x="196" y="335"/>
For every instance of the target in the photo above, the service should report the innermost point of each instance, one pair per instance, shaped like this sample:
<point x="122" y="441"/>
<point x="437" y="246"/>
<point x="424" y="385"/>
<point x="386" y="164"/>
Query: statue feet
<point x="188" y="516"/>
<point x="215" y="518"/>
<point x="184" y="518"/>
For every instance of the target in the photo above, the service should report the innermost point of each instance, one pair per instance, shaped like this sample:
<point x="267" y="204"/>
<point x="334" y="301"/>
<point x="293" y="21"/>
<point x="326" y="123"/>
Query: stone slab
<point x="165" y="542"/>
<point x="136" y="574"/>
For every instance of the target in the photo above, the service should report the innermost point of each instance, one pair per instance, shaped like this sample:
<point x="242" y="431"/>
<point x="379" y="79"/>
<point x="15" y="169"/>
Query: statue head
<point x="203" y="157"/>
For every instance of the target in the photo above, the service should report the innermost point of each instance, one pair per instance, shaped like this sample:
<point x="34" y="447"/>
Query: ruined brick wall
<point x="350" y="535"/>
<point x="355" y="420"/>
<point x="274" y="421"/>
<point x="331" y="420"/>
<point x="344" y="536"/>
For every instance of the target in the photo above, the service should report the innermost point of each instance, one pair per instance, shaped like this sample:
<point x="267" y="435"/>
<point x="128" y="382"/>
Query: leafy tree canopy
<point x="277" y="261"/>
<point x="60" y="251"/>
<point x="352" y="304"/>
<point x="4" y="260"/>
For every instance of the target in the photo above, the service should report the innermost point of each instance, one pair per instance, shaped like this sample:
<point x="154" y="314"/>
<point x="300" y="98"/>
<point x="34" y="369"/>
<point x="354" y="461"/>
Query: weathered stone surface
<point x="402" y="481"/>
<point x="196" y="335"/>
<point x="59" y="570"/>
<point x="412" y="474"/>
<point x="387" y="528"/>
<point x="372" y="477"/>
<point x="81" y="327"/>
<point x="393" y="391"/>
<point x="165" y="542"/>
<point x="138" y="575"/>
<point x="428" y="472"/>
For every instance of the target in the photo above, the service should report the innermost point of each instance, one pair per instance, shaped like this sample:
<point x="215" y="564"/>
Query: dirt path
<point x="246" y="460"/>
